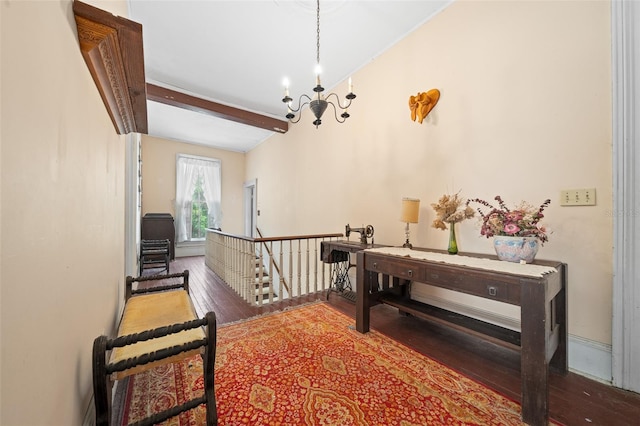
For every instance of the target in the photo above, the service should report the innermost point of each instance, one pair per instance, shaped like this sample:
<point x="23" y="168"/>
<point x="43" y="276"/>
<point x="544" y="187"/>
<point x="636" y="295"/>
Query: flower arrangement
<point x="519" y="222"/>
<point x="448" y="210"/>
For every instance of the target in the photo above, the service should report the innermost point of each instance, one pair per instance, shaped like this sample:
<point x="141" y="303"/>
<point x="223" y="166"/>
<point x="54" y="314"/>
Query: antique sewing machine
<point x="364" y="233"/>
<point x="337" y="254"/>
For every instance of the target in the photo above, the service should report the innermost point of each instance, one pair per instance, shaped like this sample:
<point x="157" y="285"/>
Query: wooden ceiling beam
<point x="112" y="48"/>
<point x="192" y="103"/>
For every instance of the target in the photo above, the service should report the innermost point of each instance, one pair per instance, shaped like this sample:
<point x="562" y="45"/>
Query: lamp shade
<point x="410" y="210"/>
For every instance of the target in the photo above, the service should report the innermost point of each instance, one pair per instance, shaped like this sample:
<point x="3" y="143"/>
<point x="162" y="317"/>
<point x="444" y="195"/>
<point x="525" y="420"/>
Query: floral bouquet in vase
<point x="450" y="210"/>
<point x="516" y="232"/>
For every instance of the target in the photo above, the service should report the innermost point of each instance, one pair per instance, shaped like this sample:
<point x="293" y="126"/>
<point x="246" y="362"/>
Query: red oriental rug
<point x="309" y="366"/>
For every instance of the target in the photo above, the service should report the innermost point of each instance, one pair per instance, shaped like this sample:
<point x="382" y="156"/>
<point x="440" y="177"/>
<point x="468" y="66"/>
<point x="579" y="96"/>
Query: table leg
<point x="340" y="276"/>
<point x="535" y="318"/>
<point x="559" y="362"/>
<point x="363" y="285"/>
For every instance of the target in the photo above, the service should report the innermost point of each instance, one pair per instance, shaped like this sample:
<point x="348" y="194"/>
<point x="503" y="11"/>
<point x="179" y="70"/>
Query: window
<point x="199" y="211"/>
<point x="197" y="197"/>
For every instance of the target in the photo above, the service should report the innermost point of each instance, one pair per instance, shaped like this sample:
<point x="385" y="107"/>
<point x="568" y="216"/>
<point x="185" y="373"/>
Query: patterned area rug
<point x="309" y="366"/>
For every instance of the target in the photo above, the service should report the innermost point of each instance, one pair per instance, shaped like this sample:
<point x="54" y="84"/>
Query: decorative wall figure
<point x="422" y="104"/>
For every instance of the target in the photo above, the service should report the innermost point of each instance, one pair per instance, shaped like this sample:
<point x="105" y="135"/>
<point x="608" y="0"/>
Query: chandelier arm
<point x="335" y="113"/>
<point x="293" y="120"/>
<point x="338" y="101"/>
<point x="300" y="104"/>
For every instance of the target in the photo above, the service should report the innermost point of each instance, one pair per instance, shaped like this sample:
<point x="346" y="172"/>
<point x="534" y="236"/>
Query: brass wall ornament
<point x="422" y="104"/>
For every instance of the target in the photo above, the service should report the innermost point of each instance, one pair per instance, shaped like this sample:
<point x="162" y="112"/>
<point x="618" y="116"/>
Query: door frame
<point x="625" y="36"/>
<point x="250" y="190"/>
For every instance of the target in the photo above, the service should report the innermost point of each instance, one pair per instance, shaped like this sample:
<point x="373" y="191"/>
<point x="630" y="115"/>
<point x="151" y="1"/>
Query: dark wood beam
<point x="192" y="103"/>
<point x="112" y="48"/>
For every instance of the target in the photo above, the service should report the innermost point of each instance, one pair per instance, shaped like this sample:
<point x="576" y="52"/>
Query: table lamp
<point x="410" y="213"/>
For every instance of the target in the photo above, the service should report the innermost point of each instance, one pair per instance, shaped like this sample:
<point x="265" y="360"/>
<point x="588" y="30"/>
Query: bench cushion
<point x="149" y="311"/>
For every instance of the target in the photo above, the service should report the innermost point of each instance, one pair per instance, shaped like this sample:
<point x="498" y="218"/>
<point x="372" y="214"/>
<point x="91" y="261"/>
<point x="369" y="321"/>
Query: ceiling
<point x="238" y="53"/>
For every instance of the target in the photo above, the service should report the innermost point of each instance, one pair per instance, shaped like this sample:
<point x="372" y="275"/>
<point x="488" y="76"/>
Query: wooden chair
<point x="155" y="254"/>
<point x="159" y="325"/>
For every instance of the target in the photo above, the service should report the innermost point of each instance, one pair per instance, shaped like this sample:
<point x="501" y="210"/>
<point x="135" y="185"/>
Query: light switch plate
<point x="578" y="197"/>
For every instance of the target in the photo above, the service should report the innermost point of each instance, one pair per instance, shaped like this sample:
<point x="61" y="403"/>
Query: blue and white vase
<point x="516" y="249"/>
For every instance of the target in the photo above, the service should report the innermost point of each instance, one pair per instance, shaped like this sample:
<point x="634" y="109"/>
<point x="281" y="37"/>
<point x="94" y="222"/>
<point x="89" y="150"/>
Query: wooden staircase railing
<point x="273" y="263"/>
<point x="294" y="267"/>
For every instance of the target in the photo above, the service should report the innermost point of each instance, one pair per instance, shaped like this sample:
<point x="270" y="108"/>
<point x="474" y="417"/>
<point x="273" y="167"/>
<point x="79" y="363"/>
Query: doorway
<point x="250" y="208"/>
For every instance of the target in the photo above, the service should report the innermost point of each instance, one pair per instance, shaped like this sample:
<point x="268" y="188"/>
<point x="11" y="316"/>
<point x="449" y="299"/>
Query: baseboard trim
<point x="585" y="357"/>
<point x="90" y="414"/>
<point x="190" y="250"/>
<point x="590" y="359"/>
<point x="470" y="311"/>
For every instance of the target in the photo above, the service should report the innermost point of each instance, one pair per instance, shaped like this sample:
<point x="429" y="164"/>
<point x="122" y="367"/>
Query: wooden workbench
<point x="542" y="341"/>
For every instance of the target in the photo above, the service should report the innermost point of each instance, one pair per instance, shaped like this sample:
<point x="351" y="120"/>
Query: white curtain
<point x="212" y="193"/>
<point x="188" y="169"/>
<point x="186" y="177"/>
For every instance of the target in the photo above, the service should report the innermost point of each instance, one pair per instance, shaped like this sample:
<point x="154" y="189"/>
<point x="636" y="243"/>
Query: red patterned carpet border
<point x="308" y="366"/>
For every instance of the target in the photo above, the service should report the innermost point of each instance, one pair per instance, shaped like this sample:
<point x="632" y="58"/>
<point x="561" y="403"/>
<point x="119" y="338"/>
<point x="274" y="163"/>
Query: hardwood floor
<point x="574" y="399"/>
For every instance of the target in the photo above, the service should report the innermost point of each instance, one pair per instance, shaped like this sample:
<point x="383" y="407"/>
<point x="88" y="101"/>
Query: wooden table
<point x="542" y="341"/>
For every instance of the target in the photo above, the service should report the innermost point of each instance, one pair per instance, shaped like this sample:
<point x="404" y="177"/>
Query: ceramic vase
<point x="516" y="249"/>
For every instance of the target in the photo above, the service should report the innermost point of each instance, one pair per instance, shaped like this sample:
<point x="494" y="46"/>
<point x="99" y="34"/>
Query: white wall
<point x="524" y="112"/>
<point x="62" y="221"/>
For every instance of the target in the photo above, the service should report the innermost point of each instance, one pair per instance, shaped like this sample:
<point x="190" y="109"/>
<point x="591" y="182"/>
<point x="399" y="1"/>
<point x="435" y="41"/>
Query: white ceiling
<point x="238" y="52"/>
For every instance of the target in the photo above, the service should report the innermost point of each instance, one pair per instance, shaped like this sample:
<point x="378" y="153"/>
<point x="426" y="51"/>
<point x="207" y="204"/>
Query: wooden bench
<point x="158" y="326"/>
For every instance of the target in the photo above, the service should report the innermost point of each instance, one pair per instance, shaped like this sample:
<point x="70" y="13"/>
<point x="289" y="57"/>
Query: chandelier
<point x="318" y="102"/>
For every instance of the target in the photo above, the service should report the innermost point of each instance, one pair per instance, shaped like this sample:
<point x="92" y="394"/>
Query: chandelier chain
<point x="318" y="34"/>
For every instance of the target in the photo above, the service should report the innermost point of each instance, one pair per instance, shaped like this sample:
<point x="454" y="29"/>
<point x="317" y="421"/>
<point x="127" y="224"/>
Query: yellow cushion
<point x="149" y="311"/>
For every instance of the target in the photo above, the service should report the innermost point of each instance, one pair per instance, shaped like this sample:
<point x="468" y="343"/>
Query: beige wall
<point x="62" y="222"/>
<point x="525" y="111"/>
<point x="159" y="179"/>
